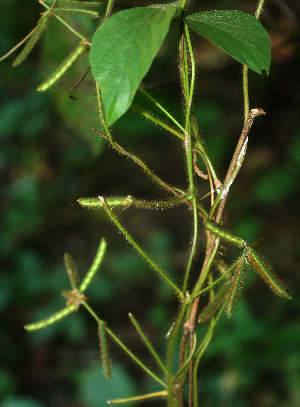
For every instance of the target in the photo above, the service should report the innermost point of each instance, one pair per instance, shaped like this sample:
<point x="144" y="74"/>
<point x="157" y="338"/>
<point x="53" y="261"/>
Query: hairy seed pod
<point x="94" y="267"/>
<point x="44" y="323"/>
<point x="96" y="202"/>
<point x="75" y="11"/>
<point x="41" y="25"/>
<point x="104" y="350"/>
<point x="238" y="280"/>
<point x="61" y="70"/>
<point x="224" y="235"/>
<point x="267" y="273"/>
<point x="214" y="304"/>
<point x="74" y="3"/>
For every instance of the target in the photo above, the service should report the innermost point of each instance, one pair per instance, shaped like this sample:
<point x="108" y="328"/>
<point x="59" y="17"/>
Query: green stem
<point x="101" y="114"/>
<point x="193" y="76"/>
<point x="172" y="341"/>
<point x="66" y="24"/>
<point x="117" y="340"/>
<point x="121" y="150"/>
<point x="207" y="268"/>
<point x="218" y="280"/>
<point x="156" y="121"/>
<point x="194" y="245"/>
<point x="189" y="155"/>
<point x="162" y="109"/>
<point x="201" y="349"/>
<point x="139" y="249"/>
<point x="184" y="71"/>
<point x="187" y="361"/>
<point x="148" y="344"/>
<point x="109" y="7"/>
<point x="205" y="157"/>
<point x="148" y="371"/>
<point x="245" y="69"/>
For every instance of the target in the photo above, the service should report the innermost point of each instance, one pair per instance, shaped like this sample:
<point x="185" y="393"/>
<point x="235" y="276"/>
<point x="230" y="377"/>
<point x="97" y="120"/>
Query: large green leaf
<point x="239" y="34"/>
<point x="122" y="51"/>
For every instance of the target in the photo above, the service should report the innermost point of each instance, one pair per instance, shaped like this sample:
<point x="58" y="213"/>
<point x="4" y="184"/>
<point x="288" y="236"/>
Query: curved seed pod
<point x="223" y="234"/>
<point x="94" y="267"/>
<point x="214" y="304"/>
<point x="52" y="319"/>
<point x="104" y="350"/>
<point x="237" y="284"/>
<point x="97" y="203"/>
<point x="75" y="11"/>
<point x="61" y="70"/>
<point x="41" y="25"/>
<point x="267" y="274"/>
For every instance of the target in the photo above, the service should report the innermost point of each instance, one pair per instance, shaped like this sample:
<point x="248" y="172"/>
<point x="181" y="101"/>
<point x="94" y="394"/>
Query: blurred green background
<point x="50" y="157"/>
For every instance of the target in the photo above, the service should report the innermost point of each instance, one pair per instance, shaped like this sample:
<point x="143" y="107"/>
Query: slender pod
<point x="96" y="203"/>
<point x="224" y="235"/>
<point x="214" y="304"/>
<point x="94" y="267"/>
<point x="267" y="273"/>
<point x="61" y="70"/>
<point x="44" y="323"/>
<point x="104" y="350"/>
<point x="75" y="11"/>
<point x="237" y="284"/>
<point x="74" y="3"/>
<point x="41" y="25"/>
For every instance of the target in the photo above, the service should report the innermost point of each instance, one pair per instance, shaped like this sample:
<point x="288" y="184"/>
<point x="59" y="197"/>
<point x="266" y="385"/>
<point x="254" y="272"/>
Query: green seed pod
<point x="214" y="304"/>
<point x="237" y="284"/>
<point x="41" y="25"/>
<point x="61" y="70"/>
<point x="44" y="323"/>
<point x="267" y="273"/>
<point x="94" y="267"/>
<point x="104" y="350"/>
<point x="75" y="11"/>
<point x="74" y="3"/>
<point x="96" y="202"/>
<point x="223" y="234"/>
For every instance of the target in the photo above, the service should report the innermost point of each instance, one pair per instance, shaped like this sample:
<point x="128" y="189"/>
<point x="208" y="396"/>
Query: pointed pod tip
<point x="288" y="295"/>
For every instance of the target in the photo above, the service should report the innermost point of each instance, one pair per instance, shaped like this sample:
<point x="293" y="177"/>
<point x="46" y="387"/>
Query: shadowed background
<point x="50" y="157"/>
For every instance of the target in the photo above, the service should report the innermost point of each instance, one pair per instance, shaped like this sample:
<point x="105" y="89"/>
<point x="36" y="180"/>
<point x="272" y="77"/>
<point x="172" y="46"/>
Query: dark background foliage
<point x="50" y="157"/>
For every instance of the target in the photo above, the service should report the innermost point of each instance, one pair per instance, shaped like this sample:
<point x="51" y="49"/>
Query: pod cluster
<point x="249" y="257"/>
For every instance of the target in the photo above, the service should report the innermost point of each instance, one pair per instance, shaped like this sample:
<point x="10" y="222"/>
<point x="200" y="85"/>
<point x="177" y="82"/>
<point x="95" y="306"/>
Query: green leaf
<point x="122" y="51"/>
<point x="239" y="34"/>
